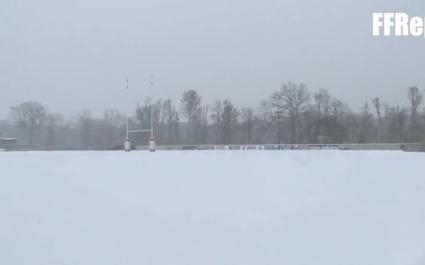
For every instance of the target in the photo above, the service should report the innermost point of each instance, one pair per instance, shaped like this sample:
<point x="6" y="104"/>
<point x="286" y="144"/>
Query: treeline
<point x="292" y="114"/>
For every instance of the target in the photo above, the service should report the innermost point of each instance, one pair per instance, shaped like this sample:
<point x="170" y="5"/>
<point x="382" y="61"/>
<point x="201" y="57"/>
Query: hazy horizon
<point x="76" y="55"/>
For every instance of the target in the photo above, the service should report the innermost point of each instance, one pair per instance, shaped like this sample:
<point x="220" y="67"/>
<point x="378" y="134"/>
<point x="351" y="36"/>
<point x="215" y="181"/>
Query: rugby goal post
<point x="127" y="143"/>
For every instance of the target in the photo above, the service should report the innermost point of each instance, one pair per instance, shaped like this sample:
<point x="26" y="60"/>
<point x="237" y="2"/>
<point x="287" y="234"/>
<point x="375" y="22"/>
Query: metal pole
<point x="151" y="122"/>
<point x="126" y="128"/>
<point x="127" y="143"/>
<point x="152" y="145"/>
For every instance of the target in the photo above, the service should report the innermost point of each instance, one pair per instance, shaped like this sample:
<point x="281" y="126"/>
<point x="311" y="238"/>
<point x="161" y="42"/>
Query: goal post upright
<point x="127" y="143"/>
<point x="152" y="144"/>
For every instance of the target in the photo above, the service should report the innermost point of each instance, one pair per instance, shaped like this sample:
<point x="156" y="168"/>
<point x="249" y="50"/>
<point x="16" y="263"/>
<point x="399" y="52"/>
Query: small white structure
<point x="152" y="144"/>
<point x="127" y="145"/>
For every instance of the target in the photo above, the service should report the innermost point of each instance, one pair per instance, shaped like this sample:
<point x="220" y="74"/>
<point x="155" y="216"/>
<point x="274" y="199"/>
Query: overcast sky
<point x="74" y="55"/>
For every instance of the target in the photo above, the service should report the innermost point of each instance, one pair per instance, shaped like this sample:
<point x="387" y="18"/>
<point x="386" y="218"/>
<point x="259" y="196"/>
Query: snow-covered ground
<point x="212" y="207"/>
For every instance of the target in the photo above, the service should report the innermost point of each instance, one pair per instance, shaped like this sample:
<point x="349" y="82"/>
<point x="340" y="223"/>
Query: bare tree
<point x="365" y="125"/>
<point x="204" y="110"/>
<point x="291" y="99"/>
<point x="318" y="116"/>
<point x="396" y="121"/>
<point x="113" y="117"/>
<point x="30" y="117"/>
<point x="271" y="120"/>
<point x="217" y="110"/>
<point x="247" y="117"/>
<point x="191" y="103"/>
<point x="415" y="98"/>
<point x="229" y="116"/>
<point x="113" y="127"/>
<point x="52" y="124"/>
<point x="338" y="108"/>
<point x="86" y="130"/>
<point x="377" y="104"/>
<point x="171" y="117"/>
<point x="322" y="102"/>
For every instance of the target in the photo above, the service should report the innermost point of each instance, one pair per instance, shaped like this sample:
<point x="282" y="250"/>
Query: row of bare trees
<point x="292" y="114"/>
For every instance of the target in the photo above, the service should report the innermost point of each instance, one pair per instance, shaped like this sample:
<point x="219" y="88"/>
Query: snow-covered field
<point x="212" y="207"/>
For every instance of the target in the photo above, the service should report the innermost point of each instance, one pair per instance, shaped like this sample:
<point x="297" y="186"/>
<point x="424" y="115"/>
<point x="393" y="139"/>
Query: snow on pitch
<point x="224" y="207"/>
